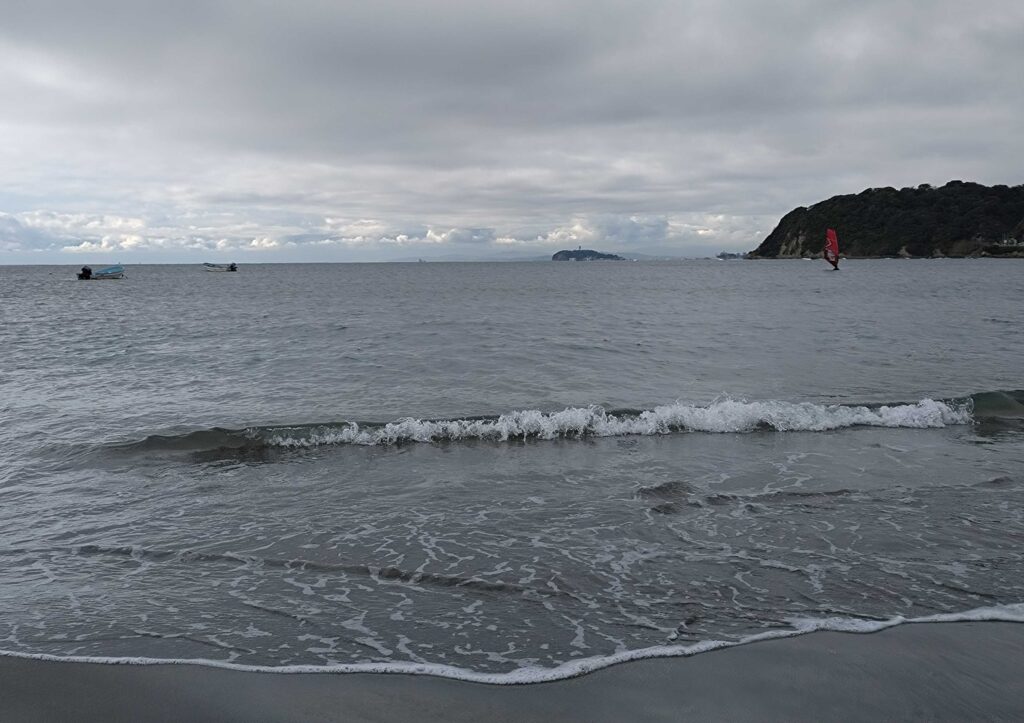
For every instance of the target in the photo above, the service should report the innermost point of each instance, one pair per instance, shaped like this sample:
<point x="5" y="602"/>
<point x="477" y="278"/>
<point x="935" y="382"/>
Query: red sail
<point x="832" y="248"/>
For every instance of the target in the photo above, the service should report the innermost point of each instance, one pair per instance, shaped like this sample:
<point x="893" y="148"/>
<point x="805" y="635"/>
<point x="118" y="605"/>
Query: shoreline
<point x="935" y="671"/>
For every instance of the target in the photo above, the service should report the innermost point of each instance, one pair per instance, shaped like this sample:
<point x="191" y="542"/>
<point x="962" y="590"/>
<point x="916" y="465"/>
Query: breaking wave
<point x="722" y="416"/>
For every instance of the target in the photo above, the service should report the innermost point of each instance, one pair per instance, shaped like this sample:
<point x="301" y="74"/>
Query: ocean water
<point x="504" y="472"/>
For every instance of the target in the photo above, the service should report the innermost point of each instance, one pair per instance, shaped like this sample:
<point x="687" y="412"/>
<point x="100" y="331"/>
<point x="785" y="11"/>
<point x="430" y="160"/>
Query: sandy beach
<point x="942" y="671"/>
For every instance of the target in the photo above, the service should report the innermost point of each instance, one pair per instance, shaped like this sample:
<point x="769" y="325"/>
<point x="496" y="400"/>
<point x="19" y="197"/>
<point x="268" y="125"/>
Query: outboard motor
<point x="85" y="273"/>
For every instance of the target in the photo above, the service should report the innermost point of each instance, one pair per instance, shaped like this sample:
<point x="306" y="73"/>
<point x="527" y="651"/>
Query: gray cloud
<point x="247" y="125"/>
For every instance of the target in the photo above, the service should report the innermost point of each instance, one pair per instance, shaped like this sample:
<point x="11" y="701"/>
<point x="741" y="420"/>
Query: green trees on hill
<point x="958" y="219"/>
<point x="584" y="255"/>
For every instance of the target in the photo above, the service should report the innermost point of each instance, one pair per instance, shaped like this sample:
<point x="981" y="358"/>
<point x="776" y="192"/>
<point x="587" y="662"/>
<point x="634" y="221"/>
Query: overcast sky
<point x="368" y="130"/>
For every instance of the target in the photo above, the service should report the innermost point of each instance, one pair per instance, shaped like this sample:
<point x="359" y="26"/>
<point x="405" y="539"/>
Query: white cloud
<point x="264" y="243"/>
<point x="74" y="223"/>
<point x="104" y="245"/>
<point x="49" y="231"/>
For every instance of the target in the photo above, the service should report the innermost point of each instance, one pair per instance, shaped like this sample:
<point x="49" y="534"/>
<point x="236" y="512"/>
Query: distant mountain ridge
<point x="958" y="219"/>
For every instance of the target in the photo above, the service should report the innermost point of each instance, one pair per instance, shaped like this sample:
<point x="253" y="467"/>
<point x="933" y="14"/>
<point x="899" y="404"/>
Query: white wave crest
<point x="720" y="417"/>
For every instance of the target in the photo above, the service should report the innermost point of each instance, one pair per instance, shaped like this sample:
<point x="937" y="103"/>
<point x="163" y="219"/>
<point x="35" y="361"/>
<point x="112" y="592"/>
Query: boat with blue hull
<point x="110" y="272"/>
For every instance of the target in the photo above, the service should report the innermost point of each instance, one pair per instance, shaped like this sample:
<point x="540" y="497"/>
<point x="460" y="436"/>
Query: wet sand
<point x="936" y="671"/>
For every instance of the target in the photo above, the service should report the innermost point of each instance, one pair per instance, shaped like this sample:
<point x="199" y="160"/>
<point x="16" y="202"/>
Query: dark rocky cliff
<point x="958" y="219"/>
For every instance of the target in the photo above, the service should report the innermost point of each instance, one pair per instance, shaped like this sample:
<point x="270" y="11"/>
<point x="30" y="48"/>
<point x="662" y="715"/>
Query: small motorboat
<point x="110" y="272"/>
<point x="221" y="267"/>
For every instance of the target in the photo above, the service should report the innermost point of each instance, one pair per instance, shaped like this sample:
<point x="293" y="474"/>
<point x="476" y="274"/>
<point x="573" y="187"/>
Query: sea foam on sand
<point x="954" y="672"/>
<point x="1013" y="613"/>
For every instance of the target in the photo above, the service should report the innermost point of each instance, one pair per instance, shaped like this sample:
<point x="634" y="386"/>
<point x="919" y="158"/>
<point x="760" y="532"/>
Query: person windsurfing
<point x="831" y="252"/>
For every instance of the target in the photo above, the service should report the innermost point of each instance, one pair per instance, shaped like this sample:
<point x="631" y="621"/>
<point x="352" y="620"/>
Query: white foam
<point x="723" y="416"/>
<point x="1013" y="613"/>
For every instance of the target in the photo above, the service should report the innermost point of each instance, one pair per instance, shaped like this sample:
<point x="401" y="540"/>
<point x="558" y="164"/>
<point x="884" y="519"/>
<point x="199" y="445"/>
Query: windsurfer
<point x="831" y="251"/>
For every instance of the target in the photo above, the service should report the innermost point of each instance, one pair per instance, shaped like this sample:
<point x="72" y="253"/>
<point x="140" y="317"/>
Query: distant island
<point x="957" y="220"/>
<point x="585" y="255"/>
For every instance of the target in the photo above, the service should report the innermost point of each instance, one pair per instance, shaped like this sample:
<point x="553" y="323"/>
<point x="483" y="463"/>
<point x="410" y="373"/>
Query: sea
<point x="504" y="472"/>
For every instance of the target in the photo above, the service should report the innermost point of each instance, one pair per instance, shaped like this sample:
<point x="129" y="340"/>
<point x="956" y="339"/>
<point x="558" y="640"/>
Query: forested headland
<point x="958" y="219"/>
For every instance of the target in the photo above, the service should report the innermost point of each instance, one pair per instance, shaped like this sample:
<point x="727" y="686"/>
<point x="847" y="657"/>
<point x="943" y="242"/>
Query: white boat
<point x="221" y="267"/>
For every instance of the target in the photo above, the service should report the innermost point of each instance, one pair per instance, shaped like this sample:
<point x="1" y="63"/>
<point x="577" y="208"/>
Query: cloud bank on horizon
<point x="345" y="131"/>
